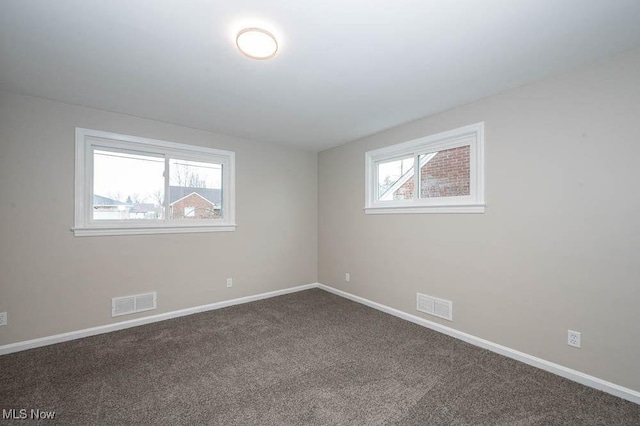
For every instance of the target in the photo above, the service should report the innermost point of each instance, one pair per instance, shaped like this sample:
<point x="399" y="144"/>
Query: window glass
<point x="196" y="185"/>
<point x="445" y="173"/>
<point x="447" y="177"/>
<point x="127" y="186"/>
<point x="395" y="179"/>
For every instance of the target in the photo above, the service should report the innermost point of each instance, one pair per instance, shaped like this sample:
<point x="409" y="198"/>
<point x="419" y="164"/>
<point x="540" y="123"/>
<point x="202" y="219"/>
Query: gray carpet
<point x="304" y="358"/>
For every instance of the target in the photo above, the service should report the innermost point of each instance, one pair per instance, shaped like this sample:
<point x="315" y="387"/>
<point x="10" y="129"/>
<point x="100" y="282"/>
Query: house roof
<point x="213" y="195"/>
<point x="99" y="200"/>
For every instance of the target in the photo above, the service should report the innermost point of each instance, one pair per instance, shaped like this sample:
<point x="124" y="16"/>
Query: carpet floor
<point x="304" y="358"/>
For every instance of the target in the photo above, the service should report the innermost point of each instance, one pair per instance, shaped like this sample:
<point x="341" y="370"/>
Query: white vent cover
<point x="145" y="302"/>
<point x="123" y="305"/>
<point x="437" y="307"/>
<point x="132" y="304"/>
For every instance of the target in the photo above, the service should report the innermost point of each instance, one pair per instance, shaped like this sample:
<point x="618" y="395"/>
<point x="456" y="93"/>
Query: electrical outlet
<point x="347" y="277"/>
<point x="229" y="282"/>
<point x="3" y="318"/>
<point x="573" y="338"/>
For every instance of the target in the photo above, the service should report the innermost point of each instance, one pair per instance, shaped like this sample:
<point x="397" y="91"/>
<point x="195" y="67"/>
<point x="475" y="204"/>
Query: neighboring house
<point x="184" y="203"/>
<point x="442" y="174"/>
<point x="105" y="208"/>
<point x="144" y="211"/>
<point x="194" y="203"/>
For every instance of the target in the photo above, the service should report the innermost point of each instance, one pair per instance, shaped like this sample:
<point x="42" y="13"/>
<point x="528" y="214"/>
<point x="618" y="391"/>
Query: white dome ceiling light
<point x="257" y="43"/>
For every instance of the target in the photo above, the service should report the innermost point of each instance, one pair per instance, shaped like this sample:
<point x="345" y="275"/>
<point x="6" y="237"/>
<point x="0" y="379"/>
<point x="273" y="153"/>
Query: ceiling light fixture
<point x="257" y="43"/>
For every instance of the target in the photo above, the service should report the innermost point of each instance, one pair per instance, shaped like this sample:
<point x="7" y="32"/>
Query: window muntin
<point x="131" y="185"/>
<point x="450" y="174"/>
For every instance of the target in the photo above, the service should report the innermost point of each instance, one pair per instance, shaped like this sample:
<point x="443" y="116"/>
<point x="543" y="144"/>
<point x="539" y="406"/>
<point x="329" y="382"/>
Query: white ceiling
<point x="345" y="69"/>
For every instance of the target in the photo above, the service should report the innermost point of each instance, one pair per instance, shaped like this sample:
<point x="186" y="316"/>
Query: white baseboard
<point x="568" y="373"/>
<point x="72" y="335"/>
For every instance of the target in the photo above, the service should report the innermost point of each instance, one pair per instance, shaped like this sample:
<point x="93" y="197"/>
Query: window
<point x="131" y="185"/>
<point x="189" y="211"/>
<point x="442" y="173"/>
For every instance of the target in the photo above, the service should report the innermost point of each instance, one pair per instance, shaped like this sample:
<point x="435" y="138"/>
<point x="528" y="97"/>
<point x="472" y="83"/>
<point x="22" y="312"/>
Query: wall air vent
<point x="131" y="304"/>
<point x="437" y="307"/>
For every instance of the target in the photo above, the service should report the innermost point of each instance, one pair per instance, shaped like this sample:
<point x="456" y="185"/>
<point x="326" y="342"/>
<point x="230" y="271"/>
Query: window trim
<point x="471" y="135"/>
<point x="86" y="140"/>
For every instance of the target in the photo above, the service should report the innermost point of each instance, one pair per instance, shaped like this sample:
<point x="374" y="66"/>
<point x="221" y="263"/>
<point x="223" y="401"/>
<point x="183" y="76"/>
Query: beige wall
<point x="559" y="245"/>
<point x="52" y="282"/>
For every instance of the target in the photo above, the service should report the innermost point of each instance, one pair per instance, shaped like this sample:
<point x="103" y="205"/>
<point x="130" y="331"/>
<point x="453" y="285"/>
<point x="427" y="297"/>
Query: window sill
<point x="102" y="231"/>
<point x="467" y="208"/>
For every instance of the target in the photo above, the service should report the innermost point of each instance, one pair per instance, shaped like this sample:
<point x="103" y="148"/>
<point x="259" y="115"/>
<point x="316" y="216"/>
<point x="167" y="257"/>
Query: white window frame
<point x="87" y="140"/>
<point x="472" y="136"/>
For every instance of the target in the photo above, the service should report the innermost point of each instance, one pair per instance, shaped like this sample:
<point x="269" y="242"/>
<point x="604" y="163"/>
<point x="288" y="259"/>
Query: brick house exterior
<point x="447" y="174"/>
<point x="194" y="206"/>
<point x="194" y="203"/>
